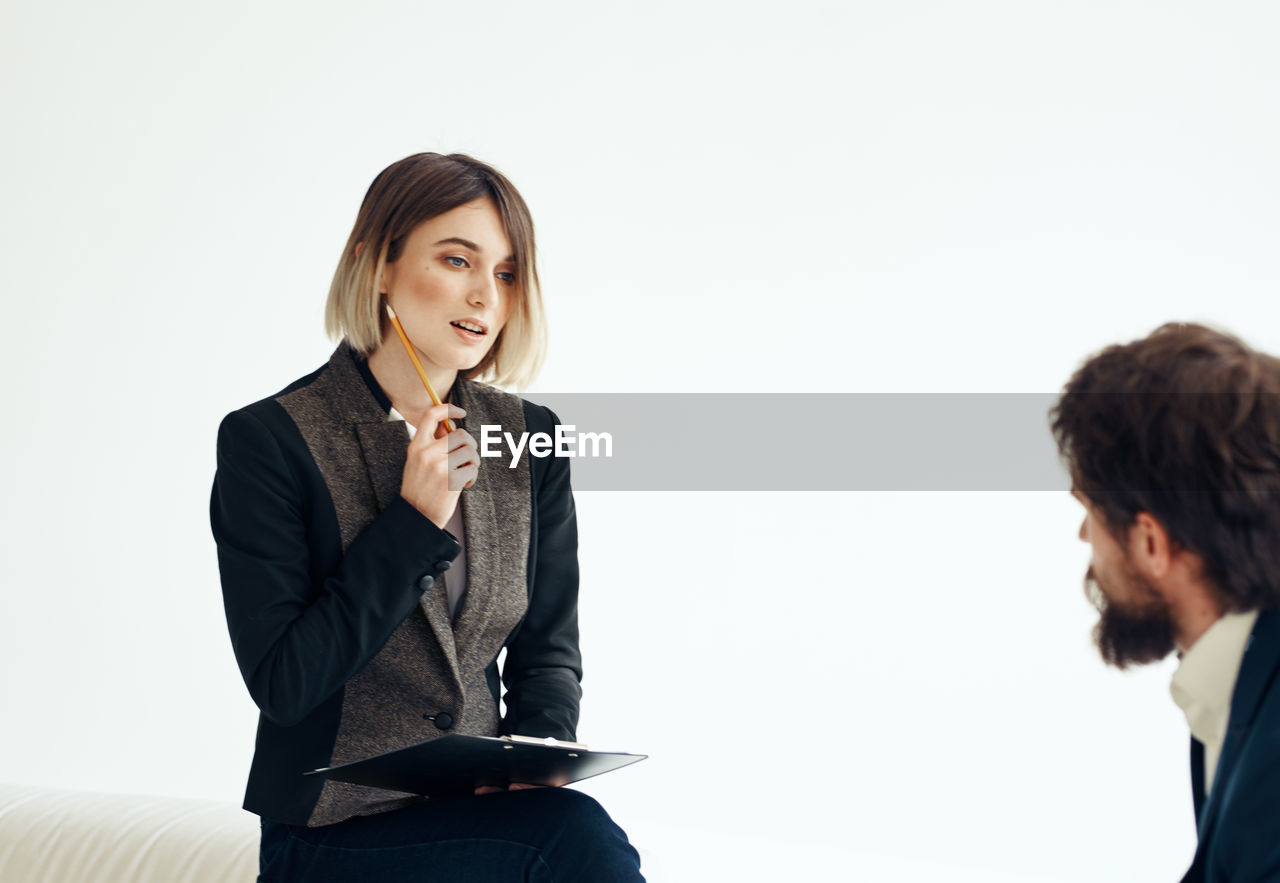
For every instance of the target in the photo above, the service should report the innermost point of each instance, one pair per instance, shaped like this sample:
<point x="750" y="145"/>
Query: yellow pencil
<point x="413" y="356"/>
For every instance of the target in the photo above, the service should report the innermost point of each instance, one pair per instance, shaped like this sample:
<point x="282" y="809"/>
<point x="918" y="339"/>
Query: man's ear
<point x="1150" y="548"/>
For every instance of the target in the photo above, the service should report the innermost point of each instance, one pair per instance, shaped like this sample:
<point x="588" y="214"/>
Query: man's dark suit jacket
<point x="337" y="613"/>
<point x="1239" y="824"/>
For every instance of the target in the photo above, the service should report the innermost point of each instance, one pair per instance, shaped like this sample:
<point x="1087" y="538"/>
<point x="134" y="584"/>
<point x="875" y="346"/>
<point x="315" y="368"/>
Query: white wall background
<point x="908" y="196"/>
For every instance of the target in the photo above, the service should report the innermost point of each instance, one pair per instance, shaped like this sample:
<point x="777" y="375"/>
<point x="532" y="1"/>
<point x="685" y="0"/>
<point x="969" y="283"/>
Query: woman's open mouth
<point x="469" y="331"/>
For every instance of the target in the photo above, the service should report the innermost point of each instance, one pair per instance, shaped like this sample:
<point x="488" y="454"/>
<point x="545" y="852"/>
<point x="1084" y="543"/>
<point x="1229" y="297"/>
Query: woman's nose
<point x="485" y="292"/>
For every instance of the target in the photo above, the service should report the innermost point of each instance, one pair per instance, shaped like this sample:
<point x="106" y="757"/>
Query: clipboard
<point x="456" y="764"/>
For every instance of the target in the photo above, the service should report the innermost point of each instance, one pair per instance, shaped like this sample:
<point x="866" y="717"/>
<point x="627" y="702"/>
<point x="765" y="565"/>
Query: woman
<point x="368" y="595"/>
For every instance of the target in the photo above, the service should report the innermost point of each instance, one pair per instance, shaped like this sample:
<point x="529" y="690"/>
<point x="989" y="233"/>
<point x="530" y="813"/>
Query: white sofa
<point x="54" y="836"/>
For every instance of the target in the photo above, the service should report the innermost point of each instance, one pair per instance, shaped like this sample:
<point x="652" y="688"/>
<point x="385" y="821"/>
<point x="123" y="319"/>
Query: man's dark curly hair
<point x="1184" y="424"/>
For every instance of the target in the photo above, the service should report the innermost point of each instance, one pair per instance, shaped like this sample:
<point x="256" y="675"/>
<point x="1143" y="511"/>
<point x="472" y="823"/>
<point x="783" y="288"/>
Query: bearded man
<point x="1173" y="445"/>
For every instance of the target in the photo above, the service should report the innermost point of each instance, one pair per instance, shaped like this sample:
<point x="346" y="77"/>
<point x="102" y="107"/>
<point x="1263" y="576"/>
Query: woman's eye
<point x="456" y="261"/>
<point x="509" y="278"/>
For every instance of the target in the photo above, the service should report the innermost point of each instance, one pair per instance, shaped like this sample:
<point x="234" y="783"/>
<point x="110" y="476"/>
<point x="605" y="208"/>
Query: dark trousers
<point x="539" y="835"/>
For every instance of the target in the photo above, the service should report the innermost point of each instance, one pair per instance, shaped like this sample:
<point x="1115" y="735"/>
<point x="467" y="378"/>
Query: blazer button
<point x="426" y="582"/>
<point x="443" y="720"/>
<point x="443" y="564"/>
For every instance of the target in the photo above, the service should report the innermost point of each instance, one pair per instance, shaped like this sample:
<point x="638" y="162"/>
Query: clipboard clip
<point x="549" y="741"/>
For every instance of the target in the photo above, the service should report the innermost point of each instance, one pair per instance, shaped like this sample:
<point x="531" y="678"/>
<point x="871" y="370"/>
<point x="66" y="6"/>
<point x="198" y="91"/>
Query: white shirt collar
<point x="1205" y="681"/>
<point x="393" y="414"/>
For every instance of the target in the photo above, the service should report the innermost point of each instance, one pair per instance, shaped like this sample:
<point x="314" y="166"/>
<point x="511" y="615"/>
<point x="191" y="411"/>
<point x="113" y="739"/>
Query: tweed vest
<point x="429" y="665"/>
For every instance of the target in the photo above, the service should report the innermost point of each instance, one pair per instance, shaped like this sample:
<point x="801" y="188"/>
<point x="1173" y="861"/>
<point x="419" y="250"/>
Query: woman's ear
<point x="359" y="248"/>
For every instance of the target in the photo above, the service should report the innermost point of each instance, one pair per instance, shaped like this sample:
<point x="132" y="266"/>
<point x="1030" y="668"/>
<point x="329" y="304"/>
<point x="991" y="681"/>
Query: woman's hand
<point x="439" y="465"/>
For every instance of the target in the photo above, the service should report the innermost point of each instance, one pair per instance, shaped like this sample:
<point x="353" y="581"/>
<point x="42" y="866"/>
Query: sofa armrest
<point x="52" y="836"/>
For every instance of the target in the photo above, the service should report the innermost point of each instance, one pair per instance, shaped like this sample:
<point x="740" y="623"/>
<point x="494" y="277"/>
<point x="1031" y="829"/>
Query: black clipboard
<point x="456" y="764"/>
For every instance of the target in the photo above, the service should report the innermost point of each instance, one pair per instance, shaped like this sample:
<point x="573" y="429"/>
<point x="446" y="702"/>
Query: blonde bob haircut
<point x="406" y="193"/>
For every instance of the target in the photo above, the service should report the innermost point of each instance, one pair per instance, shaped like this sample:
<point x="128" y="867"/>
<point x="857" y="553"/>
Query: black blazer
<point x="1239" y="824"/>
<point x="334" y="598"/>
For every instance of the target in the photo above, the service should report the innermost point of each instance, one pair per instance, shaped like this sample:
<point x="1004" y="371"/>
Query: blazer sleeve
<point x="543" y="669"/>
<point x="301" y="628"/>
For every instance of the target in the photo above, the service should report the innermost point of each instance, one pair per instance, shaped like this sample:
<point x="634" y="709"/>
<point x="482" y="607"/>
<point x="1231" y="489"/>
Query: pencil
<point x="413" y="357"/>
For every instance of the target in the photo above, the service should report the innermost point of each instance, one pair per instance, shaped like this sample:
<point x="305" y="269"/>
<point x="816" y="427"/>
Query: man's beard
<point x="1136" y="633"/>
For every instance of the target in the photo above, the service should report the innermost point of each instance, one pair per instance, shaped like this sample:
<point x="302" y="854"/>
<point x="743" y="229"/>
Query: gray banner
<point x="805" y="442"/>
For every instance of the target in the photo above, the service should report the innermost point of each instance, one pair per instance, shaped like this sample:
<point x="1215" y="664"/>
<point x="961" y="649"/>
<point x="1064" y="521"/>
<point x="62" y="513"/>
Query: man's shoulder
<point x="1260" y="666"/>
<point x="1245" y="836"/>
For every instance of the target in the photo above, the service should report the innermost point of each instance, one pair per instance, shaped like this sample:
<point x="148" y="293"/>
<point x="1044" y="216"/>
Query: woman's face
<point x="453" y="285"/>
